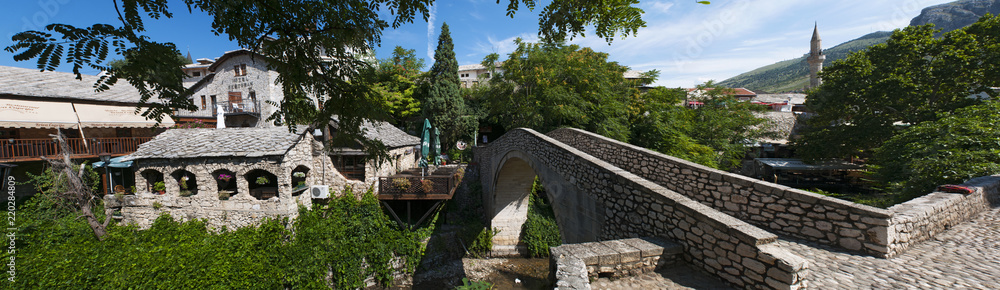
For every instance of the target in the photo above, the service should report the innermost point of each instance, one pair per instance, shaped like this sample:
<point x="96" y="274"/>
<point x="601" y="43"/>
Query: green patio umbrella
<point x="425" y="144"/>
<point x="437" y="146"/>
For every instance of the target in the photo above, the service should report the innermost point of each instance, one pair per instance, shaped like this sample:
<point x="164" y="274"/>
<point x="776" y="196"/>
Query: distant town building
<point x="695" y="96"/>
<point x="474" y="74"/>
<point x="815" y="59"/>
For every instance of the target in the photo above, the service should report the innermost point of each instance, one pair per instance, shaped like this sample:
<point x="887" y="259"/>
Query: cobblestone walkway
<point x="964" y="257"/>
<point x="678" y="277"/>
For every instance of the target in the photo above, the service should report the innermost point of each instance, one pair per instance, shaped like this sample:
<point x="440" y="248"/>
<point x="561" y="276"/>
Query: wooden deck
<point x="18" y="150"/>
<point x="409" y="185"/>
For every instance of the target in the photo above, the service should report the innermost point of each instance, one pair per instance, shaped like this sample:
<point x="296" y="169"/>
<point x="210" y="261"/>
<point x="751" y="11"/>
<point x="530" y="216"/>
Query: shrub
<point x="351" y="238"/>
<point x="159" y="186"/>
<point x="540" y="231"/>
<point x="957" y="147"/>
<point x="483" y="242"/>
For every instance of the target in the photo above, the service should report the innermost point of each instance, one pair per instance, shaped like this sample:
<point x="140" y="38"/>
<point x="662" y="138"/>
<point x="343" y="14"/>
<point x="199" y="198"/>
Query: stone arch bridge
<point x="602" y="189"/>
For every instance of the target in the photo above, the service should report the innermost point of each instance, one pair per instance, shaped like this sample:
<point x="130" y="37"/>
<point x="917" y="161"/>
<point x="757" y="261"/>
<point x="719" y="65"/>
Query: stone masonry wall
<point x="574" y="265"/>
<point x="736" y="251"/>
<point x="241" y="209"/>
<point x="771" y="206"/>
<point x="923" y="217"/>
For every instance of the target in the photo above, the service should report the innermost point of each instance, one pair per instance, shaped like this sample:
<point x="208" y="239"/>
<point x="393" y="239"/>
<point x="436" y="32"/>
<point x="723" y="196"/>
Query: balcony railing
<point x="241" y="107"/>
<point x="34" y="149"/>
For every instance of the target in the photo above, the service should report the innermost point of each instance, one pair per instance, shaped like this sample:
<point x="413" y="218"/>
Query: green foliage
<point x="713" y="135"/>
<point x="546" y="86"/>
<point x="910" y="79"/>
<point x="662" y="126"/>
<point x="726" y="125"/>
<point x="961" y="145"/>
<point x="483" y="242"/>
<point x="159" y="186"/>
<point x="311" y="45"/>
<point x="48" y="182"/>
<point x="262" y="180"/>
<point x="443" y="103"/>
<point x="351" y="238"/>
<point x="395" y="79"/>
<point x="474" y="285"/>
<point x="540" y="231"/>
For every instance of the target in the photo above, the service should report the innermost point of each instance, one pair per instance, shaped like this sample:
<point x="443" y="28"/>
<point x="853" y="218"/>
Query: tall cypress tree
<point x="444" y="105"/>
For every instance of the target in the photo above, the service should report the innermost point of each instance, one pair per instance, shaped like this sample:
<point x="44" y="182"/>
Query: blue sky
<point x="689" y="43"/>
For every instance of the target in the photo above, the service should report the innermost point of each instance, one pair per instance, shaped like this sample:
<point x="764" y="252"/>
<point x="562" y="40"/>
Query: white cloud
<point x="430" y="33"/>
<point x="503" y="46"/>
<point x="659" y="7"/>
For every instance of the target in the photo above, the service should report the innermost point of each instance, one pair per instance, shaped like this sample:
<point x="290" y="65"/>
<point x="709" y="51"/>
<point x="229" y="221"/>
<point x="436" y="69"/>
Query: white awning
<point x="35" y="114"/>
<point x="105" y="116"/>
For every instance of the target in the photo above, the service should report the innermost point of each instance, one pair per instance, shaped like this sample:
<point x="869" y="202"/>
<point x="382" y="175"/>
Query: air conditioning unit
<point x="319" y="191"/>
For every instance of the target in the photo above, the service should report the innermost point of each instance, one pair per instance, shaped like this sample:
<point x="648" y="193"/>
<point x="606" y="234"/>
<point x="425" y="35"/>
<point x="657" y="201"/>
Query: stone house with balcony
<point x="35" y="105"/>
<point x="238" y="85"/>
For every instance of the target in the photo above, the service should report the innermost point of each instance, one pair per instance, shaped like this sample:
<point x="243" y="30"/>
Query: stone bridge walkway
<point x="964" y="257"/>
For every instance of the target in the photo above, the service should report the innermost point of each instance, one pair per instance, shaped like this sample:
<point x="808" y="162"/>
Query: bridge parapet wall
<point x="632" y="207"/>
<point x="923" y="217"/>
<point x="771" y="206"/>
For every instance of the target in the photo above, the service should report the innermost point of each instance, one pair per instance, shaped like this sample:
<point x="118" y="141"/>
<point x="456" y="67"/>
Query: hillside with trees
<point x="793" y="74"/>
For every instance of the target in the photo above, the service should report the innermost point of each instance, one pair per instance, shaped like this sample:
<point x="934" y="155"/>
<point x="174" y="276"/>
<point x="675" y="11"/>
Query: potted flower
<point x="159" y="187"/>
<point x="401" y="184"/>
<point x="262" y="180"/>
<point x="300" y="176"/>
<point x="427" y="185"/>
<point x="224" y="177"/>
<point x="185" y="191"/>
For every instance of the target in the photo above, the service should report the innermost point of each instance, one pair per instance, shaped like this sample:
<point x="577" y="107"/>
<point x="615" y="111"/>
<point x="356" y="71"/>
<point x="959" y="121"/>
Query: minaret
<point x="816" y="58"/>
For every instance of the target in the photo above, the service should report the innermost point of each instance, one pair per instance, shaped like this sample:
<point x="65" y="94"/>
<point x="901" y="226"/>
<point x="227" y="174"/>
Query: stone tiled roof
<point x="390" y="136"/>
<point x="632" y="74"/>
<point x="33" y="83"/>
<point x="471" y="67"/>
<point x="237" y="142"/>
<point x="785" y="123"/>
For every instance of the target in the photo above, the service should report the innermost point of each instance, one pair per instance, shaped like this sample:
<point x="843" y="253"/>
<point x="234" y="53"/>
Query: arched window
<point x="154" y="181"/>
<point x="186" y="181"/>
<point x="299" y="175"/>
<point x="225" y="182"/>
<point x="263" y="184"/>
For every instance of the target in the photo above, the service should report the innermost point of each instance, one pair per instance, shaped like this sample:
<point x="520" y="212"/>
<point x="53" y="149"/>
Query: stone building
<point x="237" y="85"/>
<point x="234" y="177"/>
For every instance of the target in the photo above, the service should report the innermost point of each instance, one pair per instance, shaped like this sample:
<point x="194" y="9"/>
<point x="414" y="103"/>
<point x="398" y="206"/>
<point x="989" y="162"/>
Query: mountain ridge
<point x="792" y="75"/>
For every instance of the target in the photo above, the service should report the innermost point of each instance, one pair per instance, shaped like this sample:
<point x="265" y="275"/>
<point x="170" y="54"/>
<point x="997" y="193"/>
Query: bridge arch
<point x="579" y="215"/>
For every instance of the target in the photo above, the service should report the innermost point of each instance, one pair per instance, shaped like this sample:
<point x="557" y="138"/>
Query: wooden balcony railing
<point x="408" y="186"/>
<point x="34" y="149"/>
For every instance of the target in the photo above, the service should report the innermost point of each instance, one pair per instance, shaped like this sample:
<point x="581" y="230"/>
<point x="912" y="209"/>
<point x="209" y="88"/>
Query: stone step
<point x="614" y="258"/>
